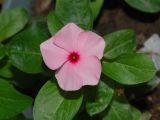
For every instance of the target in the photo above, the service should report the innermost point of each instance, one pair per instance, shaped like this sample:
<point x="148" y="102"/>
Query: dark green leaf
<point x="119" y="110"/>
<point x="2" y="51"/>
<point x="103" y="96"/>
<point x="120" y="42"/>
<point x="12" y="102"/>
<point x="27" y="81"/>
<point x="52" y="104"/>
<point x="96" y="7"/>
<point x="12" y="21"/>
<point x="24" y="50"/>
<point x="18" y="117"/>
<point x="77" y="11"/>
<point x="151" y="6"/>
<point x="54" y="24"/>
<point x="130" y="69"/>
<point x="143" y="89"/>
<point x="5" y="71"/>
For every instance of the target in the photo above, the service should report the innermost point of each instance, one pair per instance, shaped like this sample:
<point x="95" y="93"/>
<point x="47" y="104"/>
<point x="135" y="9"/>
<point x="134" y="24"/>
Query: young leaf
<point x="77" y="11"/>
<point x="130" y="69"/>
<point x="11" y="22"/>
<point x="2" y="51"/>
<point x="119" y="110"/>
<point x="151" y="6"/>
<point x="53" y="104"/>
<point x="96" y="7"/>
<point x="12" y="102"/>
<point x="24" y="49"/>
<point x="103" y="95"/>
<point x="120" y="42"/>
<point x="54" y="24"/>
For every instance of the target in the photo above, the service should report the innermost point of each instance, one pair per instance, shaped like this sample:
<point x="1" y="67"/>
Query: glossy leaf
<point x="151" y="6"/>
<point x="77" y="11"/>
<point x="11" y="22"/>
<point x="52" y="104"/>
<point x="130" y="69"/>
<point x="120" y="42"/>
<point x="103" y="95"/>
<point x="96" y="7"/>
<point x="54" y="24"/>
<point x="12" y="102"/>
<point x="2" y="51"/>
<point x="119" y="110"/>
<point x="24" y="50"/>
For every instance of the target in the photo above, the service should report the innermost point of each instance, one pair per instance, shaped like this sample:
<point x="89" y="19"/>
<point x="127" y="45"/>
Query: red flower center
<point x="73" y="57"/>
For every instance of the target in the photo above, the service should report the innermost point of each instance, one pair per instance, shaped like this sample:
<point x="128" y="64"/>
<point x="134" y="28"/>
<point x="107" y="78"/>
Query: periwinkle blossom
<point x="75" y="54"/>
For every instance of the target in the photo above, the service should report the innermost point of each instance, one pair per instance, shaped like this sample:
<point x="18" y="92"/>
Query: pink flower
<point x="75" y="54"/>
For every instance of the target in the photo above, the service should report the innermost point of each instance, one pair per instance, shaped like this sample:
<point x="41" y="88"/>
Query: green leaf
<point x="2" y="51"/>
<point x="96" y="7"/>
<point x="27" y="81"/>
<point x="119" y="110"/>
<point x="11" y="22"/>
<point x="136" y="114"/>
<point x="52" y="104"/>
<point x="103" y="95"/>
<point x="24" y="49"/>
<point x="77" y="11"/>
<point x="12" y="102"/>
<point x="151" y="6"/>
<point x="130" y="69"/>
<point x="54" y="24"/>
<point x="18" y="117"/>
<point x="143" y="89"/>
<point x="120" y="42"/>
<point x="5" y="71"/>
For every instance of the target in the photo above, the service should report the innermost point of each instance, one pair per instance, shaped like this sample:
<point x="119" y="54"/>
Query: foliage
<point x="20" y="40"/>
<point x="150" y="6"/>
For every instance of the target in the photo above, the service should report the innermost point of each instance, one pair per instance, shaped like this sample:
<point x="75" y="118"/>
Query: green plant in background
<point x="150" y="6"/>
<point x="21" y="66"/>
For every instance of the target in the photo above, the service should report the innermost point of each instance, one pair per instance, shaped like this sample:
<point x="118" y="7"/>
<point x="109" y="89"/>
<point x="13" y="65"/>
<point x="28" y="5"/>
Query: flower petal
<point x="53" y="56"/>
<point x="67" y="37"/>
<point x="91" y="44"/>
<point x="68" y="78"/>
<point x="89" y="69"/>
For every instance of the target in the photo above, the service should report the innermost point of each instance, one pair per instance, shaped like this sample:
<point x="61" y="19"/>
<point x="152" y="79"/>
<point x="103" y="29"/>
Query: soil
<point x="116" y="15"/>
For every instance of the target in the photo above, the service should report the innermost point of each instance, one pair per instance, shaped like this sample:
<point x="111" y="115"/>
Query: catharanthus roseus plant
<point x="57" y="68"/>
<point x="75" y="54"/>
